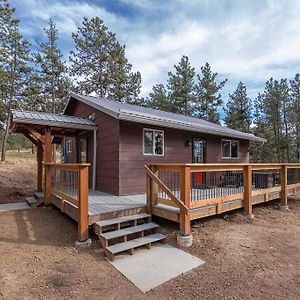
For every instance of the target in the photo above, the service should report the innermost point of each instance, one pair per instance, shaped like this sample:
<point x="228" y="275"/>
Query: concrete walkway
<point x="13" y="206"/>
<point x="147" y="269"/>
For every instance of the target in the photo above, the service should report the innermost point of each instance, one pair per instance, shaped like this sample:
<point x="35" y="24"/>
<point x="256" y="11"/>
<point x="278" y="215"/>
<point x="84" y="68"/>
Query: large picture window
<point x="230" y="149"/>
<point x="153" y="142"/>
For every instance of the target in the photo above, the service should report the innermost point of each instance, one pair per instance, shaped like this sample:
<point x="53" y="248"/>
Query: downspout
<point x="94" y="158"/>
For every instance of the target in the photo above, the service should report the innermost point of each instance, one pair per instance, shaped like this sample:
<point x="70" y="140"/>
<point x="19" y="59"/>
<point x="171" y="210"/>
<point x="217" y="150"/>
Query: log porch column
<point x="47" y="159"/>
<point x="39" y="156"/>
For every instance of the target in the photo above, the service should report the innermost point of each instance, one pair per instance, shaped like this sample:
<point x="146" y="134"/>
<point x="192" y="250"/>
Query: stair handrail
<point x="176" y="201"/>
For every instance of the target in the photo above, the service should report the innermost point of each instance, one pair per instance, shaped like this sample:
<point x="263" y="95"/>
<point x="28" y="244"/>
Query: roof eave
<point x="134" y="118"/>
<point x="54" y="124"/>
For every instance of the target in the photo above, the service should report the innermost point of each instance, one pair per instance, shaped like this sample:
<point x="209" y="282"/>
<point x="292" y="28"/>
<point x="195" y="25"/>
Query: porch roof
<point x="51" y="120"/>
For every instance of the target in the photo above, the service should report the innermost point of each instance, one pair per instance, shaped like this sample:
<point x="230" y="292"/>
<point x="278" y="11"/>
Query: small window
<point x="230" y="149"/>
<point x="153" y="142"/>
<point x="69" y="146"/>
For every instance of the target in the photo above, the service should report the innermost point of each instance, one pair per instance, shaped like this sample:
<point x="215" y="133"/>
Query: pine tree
<point x="101" y="63"/>
<point x="295" y="113"/>
<point x="52" y="71"/>
<point x="274" y="108"/>
<point x="238" y="109"/>
<point x="208" y="97"/>
<point x="181" y="87"/>
<point x="158" y="98"/>
<point x="14" y="63"/>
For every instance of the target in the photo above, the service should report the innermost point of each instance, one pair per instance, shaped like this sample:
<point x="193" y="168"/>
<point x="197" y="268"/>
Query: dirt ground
<point x="244" y="260"/>
<point x="17" y="177"/>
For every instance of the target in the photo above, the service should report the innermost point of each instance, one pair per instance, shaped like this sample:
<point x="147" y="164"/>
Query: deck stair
<point x="127" y="233"/>
<point x="36" y="200"/>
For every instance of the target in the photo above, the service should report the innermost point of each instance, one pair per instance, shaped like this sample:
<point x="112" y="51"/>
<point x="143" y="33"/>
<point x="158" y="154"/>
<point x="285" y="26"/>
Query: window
<point x="69" y="146"/>
<point x="153" y="142"/>
<point x="230" y="149"/>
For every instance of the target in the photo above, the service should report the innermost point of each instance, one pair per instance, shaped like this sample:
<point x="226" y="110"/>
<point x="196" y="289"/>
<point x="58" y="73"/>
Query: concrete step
<point x="118" y="222"/>
<point x="128" y="231"/>
<point x="111" y="251"/>
<point x="39" y="196"/>
<point x="31" y="201"/>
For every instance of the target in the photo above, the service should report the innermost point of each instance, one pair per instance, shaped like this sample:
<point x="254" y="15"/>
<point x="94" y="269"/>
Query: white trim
<point x="153" y="148"/>
<point x="69" y="146"/>
<point x="230" y="141"/>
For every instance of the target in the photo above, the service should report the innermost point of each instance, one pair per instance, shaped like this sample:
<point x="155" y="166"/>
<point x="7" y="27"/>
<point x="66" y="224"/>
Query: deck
<point x="102" y="206"/>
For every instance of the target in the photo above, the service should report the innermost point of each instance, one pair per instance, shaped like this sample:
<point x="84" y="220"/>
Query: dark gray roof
<point x="135" y="113"/>
<point x="54" y="120"/>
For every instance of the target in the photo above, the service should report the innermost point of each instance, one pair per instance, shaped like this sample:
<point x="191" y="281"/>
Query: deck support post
<point x="39" y="157"/>
<point x="83" y="217"/>
<point x="284" y="194"/>
<point x="248" y="190"/>
<point x="185" y="192"/>
<point x="47" y="159"/>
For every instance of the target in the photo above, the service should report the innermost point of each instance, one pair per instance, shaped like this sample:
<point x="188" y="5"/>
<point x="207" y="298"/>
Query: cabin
<point x="129" y="136"/>
<point x="121" y="164"/>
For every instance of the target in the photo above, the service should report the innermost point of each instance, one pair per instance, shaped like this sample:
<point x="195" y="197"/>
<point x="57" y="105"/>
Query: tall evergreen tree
<point x="274" y="108"/>
<point x="51" y="71"/>
<point x="99" y="60"/>
<point x="239" y="109"/>
<point x="295" y="113"/>
<point x="158" y="98"/>
<point x="13" y="64"/>
<point x="181" y="87"/>
<point x="208" y="97"/>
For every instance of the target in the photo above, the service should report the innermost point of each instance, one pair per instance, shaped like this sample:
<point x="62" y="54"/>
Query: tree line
<point x="42" y="79"/>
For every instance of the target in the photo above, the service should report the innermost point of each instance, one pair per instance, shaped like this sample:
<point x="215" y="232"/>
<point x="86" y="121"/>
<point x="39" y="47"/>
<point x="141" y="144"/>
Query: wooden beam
<point x="34" y="133"/>
<point x="248" y="189"/>
<point x="185" y="192"/>
<point x="39" y="158"/>
<point x="284" y="189"/>
<point x="83" y="217"/>
<point x="31" y="138"/>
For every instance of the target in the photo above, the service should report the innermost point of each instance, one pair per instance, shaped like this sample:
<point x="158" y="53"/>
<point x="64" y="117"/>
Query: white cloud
<point x="242" y="40"/>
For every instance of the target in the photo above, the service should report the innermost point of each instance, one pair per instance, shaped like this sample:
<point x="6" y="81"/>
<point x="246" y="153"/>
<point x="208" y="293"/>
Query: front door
<point x="199" y="156"/>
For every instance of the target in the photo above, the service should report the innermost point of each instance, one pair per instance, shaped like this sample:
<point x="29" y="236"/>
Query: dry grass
<point x="17" y="176"/>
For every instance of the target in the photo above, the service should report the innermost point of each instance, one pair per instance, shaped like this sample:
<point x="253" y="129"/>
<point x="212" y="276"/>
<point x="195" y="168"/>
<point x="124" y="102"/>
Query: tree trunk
<point x="3" y="151"/>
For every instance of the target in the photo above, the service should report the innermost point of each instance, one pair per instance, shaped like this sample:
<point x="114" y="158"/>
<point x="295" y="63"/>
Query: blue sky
<point x="247" y="41"/>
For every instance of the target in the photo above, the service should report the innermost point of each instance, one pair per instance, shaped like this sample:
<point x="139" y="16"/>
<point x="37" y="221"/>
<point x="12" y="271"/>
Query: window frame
<point x="69" y="146"/>
<point x="230" y="154"/>
<point x="153" y="147"/>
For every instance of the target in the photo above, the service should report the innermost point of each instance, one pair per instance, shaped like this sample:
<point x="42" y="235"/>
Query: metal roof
<point x="53" y="120"/>
<point x="135" y="113"/>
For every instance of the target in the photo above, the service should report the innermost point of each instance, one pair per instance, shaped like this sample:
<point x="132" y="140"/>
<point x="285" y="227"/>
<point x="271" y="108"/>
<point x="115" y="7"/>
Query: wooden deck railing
<point x="69" y="182"/>
<point x="198" y="190"/>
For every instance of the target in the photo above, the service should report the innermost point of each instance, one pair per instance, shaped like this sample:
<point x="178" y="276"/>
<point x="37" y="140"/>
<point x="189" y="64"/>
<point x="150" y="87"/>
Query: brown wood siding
<point x="107" y="169"/>
<point x="132" y="160"/>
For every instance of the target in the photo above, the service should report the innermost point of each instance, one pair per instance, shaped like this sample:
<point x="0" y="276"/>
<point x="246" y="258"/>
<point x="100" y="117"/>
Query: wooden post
<point x="83" y="205"/>
<point x="284" y="195"/>
<point x="185" y="192"/>
<point x="248" y="189"/>
<point x="148" y="194"/>
<point x="39" y="157"/>
<point x="154" y="187"/>
<point x="47" y="159"/>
